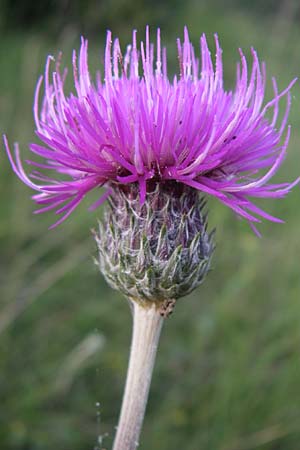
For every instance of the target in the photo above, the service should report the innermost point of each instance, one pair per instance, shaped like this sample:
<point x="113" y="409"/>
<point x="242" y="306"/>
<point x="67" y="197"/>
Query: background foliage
<point x="227" y="375"/>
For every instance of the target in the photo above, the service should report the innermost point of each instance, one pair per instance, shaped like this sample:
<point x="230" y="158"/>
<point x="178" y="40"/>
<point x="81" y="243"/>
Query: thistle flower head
<point x="136" y="126"/>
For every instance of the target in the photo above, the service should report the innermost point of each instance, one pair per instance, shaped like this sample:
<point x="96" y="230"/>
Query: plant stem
<point x="147" y="323"/>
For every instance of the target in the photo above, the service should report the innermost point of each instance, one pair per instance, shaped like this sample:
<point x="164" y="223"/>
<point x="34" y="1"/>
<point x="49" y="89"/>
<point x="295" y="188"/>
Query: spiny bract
<point x="156" y="251"/>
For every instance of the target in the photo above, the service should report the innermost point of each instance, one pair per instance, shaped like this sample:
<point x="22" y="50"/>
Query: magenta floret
<point x="137" y="125"/>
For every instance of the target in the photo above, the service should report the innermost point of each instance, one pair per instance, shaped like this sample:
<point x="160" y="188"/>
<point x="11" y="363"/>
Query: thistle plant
<point x="157" y="147"/>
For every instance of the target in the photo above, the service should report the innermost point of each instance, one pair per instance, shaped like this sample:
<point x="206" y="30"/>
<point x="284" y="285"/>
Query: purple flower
<point x="137" y="125"/>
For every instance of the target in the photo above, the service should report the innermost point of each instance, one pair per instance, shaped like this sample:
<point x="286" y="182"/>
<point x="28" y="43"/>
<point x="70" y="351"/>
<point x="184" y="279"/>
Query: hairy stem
<point x="147" y="323"/>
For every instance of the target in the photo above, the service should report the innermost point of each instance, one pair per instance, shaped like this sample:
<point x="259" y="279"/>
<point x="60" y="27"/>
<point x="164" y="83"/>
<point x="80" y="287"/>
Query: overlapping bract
<point x="158" y="251"/>
<point x="137" y="125"/>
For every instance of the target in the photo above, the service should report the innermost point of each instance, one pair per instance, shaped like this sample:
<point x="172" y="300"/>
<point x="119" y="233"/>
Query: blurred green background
<point x="228" y="370"/>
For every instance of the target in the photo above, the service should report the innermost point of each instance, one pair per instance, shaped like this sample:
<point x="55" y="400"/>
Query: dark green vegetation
<point x="228" y="369"/>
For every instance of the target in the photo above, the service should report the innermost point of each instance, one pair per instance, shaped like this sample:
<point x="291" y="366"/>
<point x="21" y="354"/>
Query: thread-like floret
<point x="137" y="126"/>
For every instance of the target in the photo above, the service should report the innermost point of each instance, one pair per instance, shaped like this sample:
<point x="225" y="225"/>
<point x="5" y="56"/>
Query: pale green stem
<point x="147" y="323"/>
